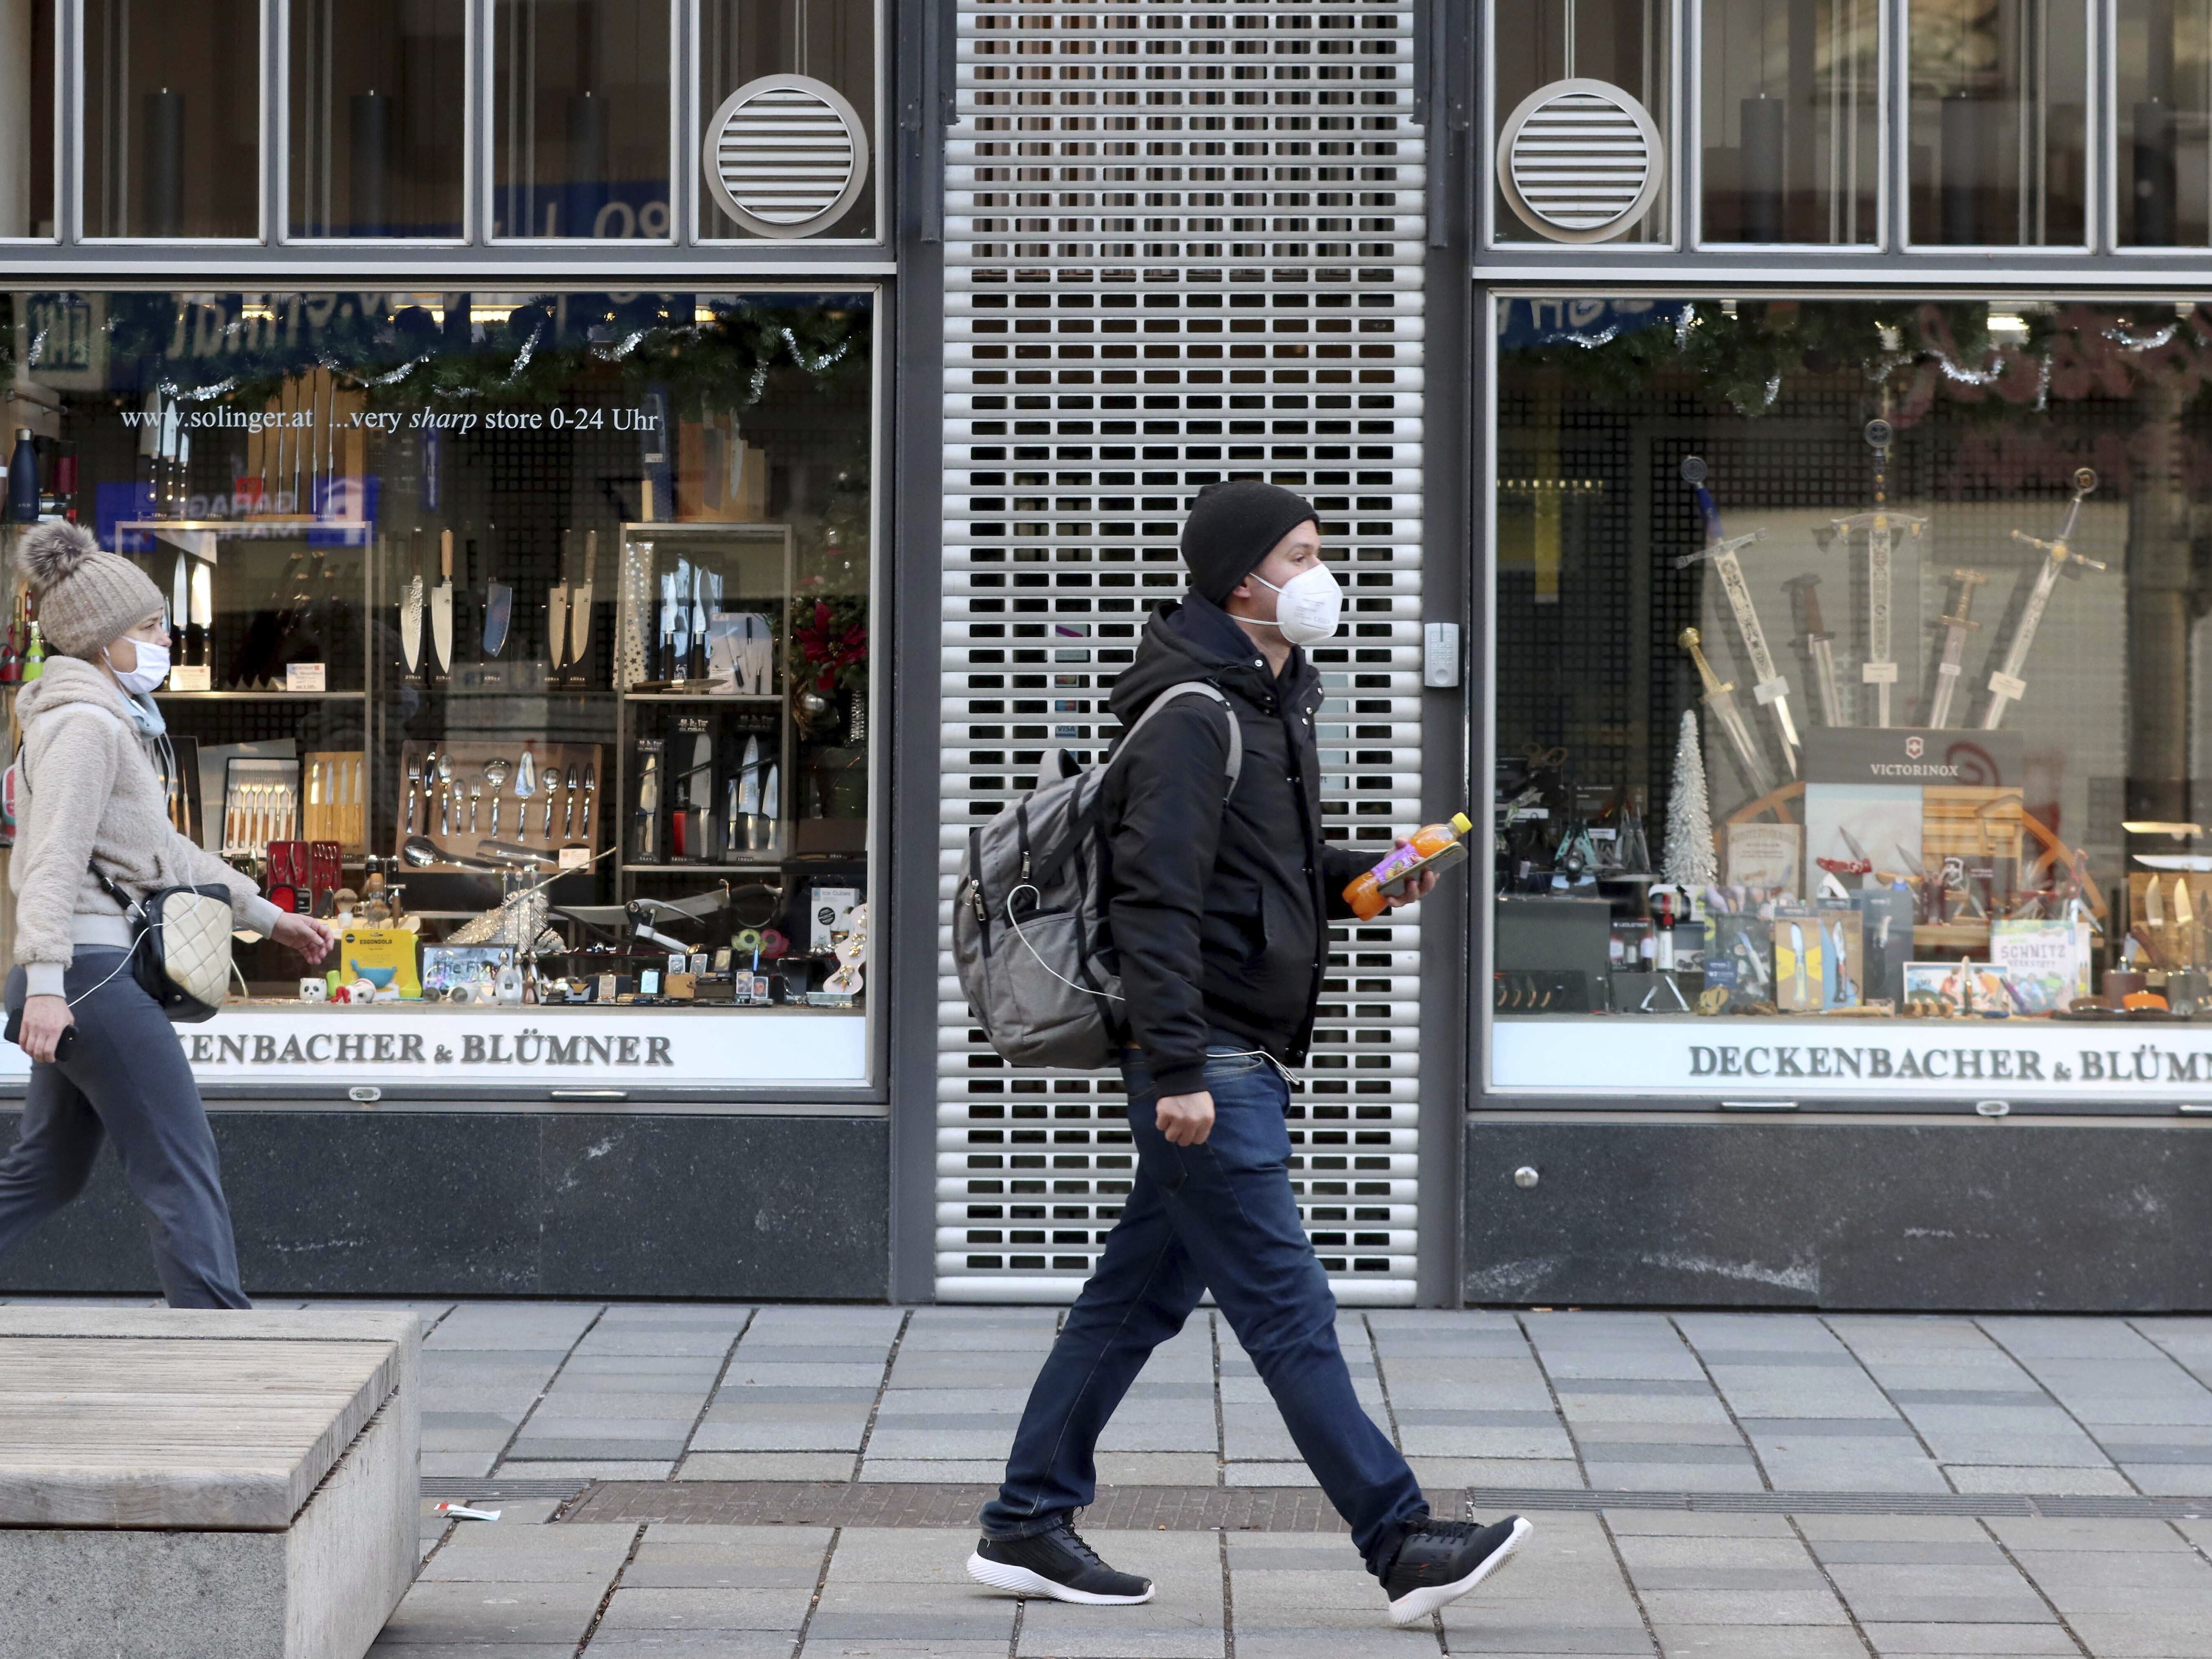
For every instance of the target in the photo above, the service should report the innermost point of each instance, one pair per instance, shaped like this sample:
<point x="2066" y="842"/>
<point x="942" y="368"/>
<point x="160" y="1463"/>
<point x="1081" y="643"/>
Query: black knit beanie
<point x="1232" y="527"/>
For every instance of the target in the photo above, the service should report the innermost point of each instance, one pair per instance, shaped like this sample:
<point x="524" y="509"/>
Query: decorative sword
<point x="1821" y="645"/>
<point x="1720" y="698"/>
<point x="2006" y="686"/>
<point x="1955" y="628"/>
<point x="1879" y="669"/>
<point x="1771" y="689"/>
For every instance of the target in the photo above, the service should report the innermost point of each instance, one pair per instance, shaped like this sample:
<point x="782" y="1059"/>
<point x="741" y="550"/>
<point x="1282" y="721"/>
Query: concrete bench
<point x="205" y="1485"/>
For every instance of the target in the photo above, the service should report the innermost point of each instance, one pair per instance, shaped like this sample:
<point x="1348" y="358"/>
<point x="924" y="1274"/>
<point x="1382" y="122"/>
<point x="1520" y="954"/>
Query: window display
<point x="27" y="65"/>
<point x="1998" y="130"/>
<point x="580" y="112"/>
<point x="173" y="118"/>
<point x="2162" y="66"/>
<point x="1790" y="100"/>
<point x="1852" y="676"/>
<point x="378" y="118"/>
<point x="527" y="636"/>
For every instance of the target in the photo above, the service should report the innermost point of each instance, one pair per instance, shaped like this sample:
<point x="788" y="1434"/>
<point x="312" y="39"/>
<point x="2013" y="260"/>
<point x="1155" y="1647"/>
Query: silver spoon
<point x="421" y="853"/>
<point x="495" y="775"/>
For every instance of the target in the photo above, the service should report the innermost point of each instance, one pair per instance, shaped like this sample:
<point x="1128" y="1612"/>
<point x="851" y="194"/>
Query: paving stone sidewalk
<point x="1727" y="1487"/>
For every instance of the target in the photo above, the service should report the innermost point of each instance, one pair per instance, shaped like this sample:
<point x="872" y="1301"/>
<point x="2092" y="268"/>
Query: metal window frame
<point x="2108" y="137"/>
<point x="277" y="136"/>
<point x="74" y="83"/>
<point x="1671" y="190"/>
<point x="679" y="180"/>
<point x="695" y="231"/>
<point x="1693" y="187"/>
<point x="64" y="13"/>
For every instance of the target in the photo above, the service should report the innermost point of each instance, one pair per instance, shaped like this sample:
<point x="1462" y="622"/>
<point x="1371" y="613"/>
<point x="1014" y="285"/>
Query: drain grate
<point x="1281" y="1509"/>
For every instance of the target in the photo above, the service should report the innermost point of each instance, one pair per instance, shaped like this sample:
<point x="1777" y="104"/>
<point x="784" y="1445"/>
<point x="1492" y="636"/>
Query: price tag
<point x="575" y="858"/>
<point x="189" y="677"/>
<point x="305" y="677"/>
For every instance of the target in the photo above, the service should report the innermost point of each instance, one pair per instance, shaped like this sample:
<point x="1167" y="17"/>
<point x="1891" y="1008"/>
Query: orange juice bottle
<point x="1432" y="846"/>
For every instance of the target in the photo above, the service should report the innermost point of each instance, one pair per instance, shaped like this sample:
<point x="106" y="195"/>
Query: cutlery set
<point x="481" y="805"/>
<point x="255" y="814"/>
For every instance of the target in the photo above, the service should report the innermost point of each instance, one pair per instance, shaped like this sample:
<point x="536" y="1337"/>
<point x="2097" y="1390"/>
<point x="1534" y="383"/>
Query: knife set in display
<point x="260" y="804"/>
<point x="567" y="611"/>
<point x="686" y="812"/>
<point x="488" y="805"/>
<point x="676" y="634"/>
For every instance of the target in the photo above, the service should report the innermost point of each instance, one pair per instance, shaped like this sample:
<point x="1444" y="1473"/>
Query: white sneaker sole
<point x="1417" y="1604"/>
<point x="1022" y="1582"/>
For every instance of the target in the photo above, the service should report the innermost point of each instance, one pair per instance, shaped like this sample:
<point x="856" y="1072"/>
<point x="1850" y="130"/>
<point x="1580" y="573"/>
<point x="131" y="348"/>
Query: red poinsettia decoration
<point x="834" y="642"/>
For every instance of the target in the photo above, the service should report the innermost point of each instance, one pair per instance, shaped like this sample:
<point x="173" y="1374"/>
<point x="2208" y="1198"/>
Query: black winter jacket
<point x="1218" y="909"/>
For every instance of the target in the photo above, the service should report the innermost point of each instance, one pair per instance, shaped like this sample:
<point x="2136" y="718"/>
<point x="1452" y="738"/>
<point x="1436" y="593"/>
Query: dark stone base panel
<point x="1276" y="1509"/>
<point x="1963" y="1213"/>
<point x="431" y="1204"/>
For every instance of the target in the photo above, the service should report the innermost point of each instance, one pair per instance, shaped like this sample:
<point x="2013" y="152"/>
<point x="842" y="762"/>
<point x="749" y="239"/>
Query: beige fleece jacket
<point x="86" y="790"/>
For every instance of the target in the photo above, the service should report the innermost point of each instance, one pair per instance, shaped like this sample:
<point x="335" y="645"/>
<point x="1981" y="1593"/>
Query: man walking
<point x="1218" y="909"/>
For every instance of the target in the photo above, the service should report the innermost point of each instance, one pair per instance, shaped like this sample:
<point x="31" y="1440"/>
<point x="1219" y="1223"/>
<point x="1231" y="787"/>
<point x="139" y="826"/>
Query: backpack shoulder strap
<point x="1193" y="688"/>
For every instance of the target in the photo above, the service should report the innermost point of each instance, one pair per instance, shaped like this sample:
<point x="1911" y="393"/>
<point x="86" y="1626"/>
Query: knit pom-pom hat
<point x="87" y="597"/>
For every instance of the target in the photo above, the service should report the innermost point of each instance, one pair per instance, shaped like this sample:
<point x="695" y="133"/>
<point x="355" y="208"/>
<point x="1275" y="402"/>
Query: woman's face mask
<point x="153" y="668"/>
<point x="1308" y="606"/>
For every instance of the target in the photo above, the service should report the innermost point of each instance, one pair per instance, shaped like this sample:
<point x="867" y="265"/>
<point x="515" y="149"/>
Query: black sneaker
<point x="1057" y="1564"/>
<point x="1440" y="1561"/>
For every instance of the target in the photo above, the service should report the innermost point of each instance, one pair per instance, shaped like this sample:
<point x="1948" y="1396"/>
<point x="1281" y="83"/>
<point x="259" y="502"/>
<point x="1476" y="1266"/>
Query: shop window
<point x="787" y="94"/>
<point x="529" y="633"/>
<point x="173" y="119"/>
<point x="1583" y="119"/>
<point x="2163" y="56"/>
<point x="1853" y="700"/>
<point x="379" y="112"/>
<point x="581" y="118"/>
<point x="1790" y="97"/>
<point x="1997" y="132"/>
<point x="27" y="64"/>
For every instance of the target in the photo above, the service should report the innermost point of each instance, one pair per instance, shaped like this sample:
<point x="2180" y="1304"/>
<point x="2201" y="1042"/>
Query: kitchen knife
<point x="682" y="653"/>
<point x="749" y="793"/>
<point x="579" y="604"/>
<point x="556" y="610"/>
<point x="697" y="667"/>
<point x="666" y="666"/>
<point x="648" y="809"/>
<point x="410" y="605"/>
<point x="771" y="805"/>
<point x="441" y="604"/>
<point x="699" y="796"/>
<point x="1801" y="990"/>
<point x="499" y="612"/>
<point x="203" y="611"/>
<point x="181" y="606"/>
<point x="733" y="840"/>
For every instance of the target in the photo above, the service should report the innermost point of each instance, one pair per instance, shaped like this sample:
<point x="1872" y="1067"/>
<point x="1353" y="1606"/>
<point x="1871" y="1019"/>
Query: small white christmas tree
<point x="1690" y="863"/>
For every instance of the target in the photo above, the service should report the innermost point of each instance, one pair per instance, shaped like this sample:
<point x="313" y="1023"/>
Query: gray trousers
<point x="125" y="1079"/>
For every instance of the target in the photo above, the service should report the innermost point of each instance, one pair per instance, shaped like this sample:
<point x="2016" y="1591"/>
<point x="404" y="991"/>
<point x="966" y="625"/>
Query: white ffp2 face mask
<point x="153" y="668"/>
<point x="1308" y="606"/>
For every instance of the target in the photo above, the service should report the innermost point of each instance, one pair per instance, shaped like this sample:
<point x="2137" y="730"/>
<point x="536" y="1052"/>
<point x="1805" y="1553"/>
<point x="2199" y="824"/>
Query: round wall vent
<point x="1580" y="161"/>
<point x="786" y="155"/>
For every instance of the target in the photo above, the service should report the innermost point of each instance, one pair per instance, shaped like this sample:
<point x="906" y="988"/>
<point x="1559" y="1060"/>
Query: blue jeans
<point x="1217" y="1216"/>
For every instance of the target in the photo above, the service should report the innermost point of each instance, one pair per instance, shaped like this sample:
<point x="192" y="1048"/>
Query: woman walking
<point x="90" y="804"/>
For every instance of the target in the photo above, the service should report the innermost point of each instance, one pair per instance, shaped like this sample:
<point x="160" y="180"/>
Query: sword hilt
<point x="1968" y="580"/>
<point x="1692" y="641"/>
<point x="1717" y="546"/>
<point x="1807" y="588"/>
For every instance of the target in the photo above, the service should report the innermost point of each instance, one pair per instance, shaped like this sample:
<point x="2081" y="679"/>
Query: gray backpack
<point x="1029" y="919"/>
